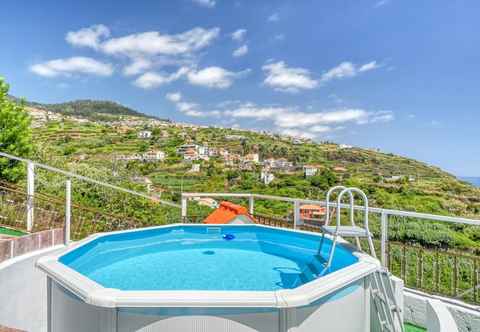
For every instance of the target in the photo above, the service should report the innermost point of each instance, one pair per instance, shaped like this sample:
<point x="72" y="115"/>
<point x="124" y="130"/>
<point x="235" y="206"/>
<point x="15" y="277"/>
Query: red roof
<point x="225" y="213"/>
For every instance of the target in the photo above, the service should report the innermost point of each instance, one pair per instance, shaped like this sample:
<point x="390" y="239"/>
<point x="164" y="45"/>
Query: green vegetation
<point x="15" y="134"/>
<point x="390" y="181"/>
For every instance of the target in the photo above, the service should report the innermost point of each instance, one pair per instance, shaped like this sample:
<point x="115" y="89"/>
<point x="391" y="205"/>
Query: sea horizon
<point x="475" y="180"/>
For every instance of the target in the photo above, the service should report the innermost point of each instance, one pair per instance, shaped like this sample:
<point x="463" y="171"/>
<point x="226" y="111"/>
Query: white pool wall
<point x="74" y="315"/>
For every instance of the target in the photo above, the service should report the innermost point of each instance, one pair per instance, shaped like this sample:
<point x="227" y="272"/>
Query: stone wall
<point x="13" y="247"/>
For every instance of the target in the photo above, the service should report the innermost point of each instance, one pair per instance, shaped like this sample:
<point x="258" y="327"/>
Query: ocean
<point x="473" y="180"/>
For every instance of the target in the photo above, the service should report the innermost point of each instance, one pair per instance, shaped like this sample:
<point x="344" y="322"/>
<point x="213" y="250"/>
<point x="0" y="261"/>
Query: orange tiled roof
<point x="225" y="213"/>
<point x="312" y="207"/>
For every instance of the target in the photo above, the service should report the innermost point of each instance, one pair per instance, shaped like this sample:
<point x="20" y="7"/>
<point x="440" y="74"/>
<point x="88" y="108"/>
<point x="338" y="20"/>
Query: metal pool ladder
<point x="387" y="309"/>
<point x="383" y="294"/>
<point x="346" y="231"/>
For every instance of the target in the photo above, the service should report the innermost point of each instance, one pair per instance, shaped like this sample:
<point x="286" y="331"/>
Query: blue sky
<point x="401" y="76"/>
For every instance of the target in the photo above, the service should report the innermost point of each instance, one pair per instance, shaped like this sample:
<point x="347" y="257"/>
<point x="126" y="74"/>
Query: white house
<point x="280" y="164"/>
<point x="310" y="170"/>
<point x="144" y="134"/>
<point x="195" y="168"/>
<point x="154" y="155"/>
<point x="193" y="152"/>
<point x="266" y="177"/>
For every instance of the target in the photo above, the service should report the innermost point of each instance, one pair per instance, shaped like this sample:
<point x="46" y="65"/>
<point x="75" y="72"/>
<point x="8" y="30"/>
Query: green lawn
<point x="11" y="232"/>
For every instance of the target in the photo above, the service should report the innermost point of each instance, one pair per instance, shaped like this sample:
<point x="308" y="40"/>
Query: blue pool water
<point x="201" y="258"/>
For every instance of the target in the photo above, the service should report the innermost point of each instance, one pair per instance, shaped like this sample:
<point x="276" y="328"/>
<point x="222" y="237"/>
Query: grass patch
<point x="11" y="231"/>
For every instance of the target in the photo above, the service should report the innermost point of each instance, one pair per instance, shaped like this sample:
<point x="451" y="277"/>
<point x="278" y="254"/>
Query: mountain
<point x="97" y="110"/>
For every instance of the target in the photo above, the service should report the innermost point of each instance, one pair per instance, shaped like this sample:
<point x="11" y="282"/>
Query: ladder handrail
<point x="327" y="204"/>
<point x="365" y="205"/>
<point x="365" y="220"/>
<point x="350" y="191"/>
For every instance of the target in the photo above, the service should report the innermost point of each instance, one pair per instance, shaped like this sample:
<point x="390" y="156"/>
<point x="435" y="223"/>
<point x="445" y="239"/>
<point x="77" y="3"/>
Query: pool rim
<point x="95" y="294"/>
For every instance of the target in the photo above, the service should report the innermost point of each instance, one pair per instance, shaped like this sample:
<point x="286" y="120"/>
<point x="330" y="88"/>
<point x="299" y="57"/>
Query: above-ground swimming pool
<point x="235" y="258"/>
<point x="203" y="278"/>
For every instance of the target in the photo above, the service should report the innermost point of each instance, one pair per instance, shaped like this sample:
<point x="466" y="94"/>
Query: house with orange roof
<point x="312" y="211"/>
<point x="229" y="213"/>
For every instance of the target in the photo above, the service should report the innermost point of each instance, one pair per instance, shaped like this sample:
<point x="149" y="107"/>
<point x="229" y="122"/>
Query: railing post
<point x="296" y="214"/>
<point x="68" y="210"/>
<point x="251" y="204"/>
<point x="30" y="194"/>
<point x="384" y="239"/>
<point x="184" y="208"/>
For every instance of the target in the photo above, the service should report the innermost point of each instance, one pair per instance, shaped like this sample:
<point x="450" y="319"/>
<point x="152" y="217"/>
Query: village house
<point x="212" y="152"/>
<point x="345" y="146"/>
<point x="149" y="156"/>
<point x="206" y="201"/>
<point x="193" y="152"/>
<point x="310" y="170"/>
<point x="312" y="211"/>
<point x="266" y="177"/>
<point x="144" y="134"/>
<point x="153" y="155"/>
<point x="231" y="159"/>
<point x="251" y="158"/>
<point x="339" y="169"/>
<point x="280" y="164"/>
<point x="195" y="168"/>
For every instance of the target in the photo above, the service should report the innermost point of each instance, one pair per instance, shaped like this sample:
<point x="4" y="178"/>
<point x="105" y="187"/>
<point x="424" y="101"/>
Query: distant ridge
<point x="90" y="109"/>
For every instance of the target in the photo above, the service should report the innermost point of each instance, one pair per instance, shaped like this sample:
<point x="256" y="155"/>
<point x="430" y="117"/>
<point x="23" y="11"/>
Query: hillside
<point x="95" y="110"/>
<point x="391" y="181"/>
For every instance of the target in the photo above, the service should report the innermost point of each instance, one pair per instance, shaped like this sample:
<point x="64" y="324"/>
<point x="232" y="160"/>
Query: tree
<point x="15" y="135"/>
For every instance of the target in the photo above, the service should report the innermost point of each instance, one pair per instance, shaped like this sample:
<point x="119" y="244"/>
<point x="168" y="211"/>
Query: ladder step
<point x="313" y="268"/>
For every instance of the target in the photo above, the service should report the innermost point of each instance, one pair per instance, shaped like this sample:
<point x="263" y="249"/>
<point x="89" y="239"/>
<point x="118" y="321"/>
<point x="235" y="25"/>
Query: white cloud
<point x="279" y="37"/>
<point x="151" y="80"/>
<point x="174" y="96"/>
<point x="154" y="43"/>
<point x="239" y="35"/>
<point x="88" y="37"/>
<point x="274" y="17"/>
<point x="137" y="66"/>
<point x="282" y="78"/>
<point x="205" y="3"/>
<point x="347" y="69"/>
<point x="297" y="133"/>
<point x="381" y="116"/>
<point x="381" y="3"/>
<point x="74" y="65"/>
<point x="369" y="66"/>
<point x="187" y="108"/>
<point x="214" y="77"/>
<point x="291" y="120"/>
<point x="241" y="51"/>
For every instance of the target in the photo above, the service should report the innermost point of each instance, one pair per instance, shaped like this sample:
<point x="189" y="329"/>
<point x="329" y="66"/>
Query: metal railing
<point x="27" y="208"/>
